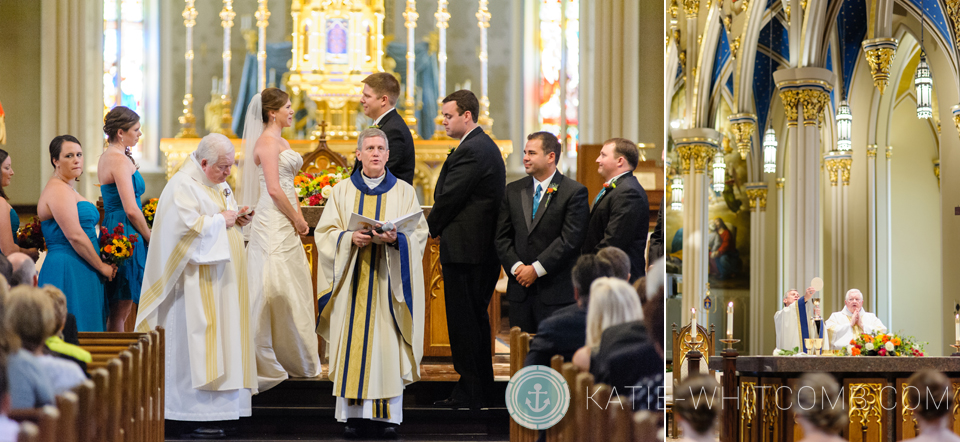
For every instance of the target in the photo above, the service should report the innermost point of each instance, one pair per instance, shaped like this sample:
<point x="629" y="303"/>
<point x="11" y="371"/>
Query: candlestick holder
<point x="956" y="349"/>
<point x="729" y="343"/>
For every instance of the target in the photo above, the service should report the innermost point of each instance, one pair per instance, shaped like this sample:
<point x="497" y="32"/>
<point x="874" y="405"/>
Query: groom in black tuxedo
<point x="543" y="220"/>
<point x="379" y="99"/>
<point x="464" y="215"/>
<point x="620" y="216"/>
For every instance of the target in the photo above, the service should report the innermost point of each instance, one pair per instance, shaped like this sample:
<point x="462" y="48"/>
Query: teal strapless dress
<point x="64" y="269"/>
<point x="14" y="225"/>
<point x="126" y="285"/>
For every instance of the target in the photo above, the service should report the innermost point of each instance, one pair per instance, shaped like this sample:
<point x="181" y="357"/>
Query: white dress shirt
<point x="543" y="193"/>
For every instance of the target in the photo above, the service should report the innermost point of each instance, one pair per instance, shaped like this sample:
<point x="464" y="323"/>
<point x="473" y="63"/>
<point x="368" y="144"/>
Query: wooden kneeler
<point x="45" y="420"/>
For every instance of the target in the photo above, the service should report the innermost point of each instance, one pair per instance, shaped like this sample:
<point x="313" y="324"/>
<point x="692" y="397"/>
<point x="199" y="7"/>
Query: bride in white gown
<point x="278" y="275"/>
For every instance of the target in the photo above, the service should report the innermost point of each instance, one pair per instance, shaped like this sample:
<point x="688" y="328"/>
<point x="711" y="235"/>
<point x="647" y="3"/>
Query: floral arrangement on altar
<point x="315" y="189"/>
<point x="30" y="236"/>
<point x="150" y="211"/>
<point x="116" y="247"/>
<point x="884" y="344"/>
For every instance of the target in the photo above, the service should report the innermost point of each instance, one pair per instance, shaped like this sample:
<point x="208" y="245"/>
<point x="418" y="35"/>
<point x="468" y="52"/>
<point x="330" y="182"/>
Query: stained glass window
<point x="557" y="46"/>
<point x="124" y="52"/>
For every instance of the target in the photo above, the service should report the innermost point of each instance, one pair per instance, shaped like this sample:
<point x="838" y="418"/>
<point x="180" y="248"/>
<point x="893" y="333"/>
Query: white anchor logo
<point x="537" y="393"/>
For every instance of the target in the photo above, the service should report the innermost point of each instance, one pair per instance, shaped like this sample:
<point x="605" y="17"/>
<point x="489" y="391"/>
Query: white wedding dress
<point x="280" y="287"/>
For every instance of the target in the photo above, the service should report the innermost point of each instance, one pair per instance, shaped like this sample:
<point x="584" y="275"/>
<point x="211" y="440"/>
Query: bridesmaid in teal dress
<point x="69" y="224"/>
<point x="122" y="186"/>
<point x="9" y="226"/>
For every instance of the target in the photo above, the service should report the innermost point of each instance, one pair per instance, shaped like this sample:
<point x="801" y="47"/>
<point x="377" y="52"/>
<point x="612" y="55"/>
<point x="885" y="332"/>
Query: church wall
<point x="916" y="227"/>
<point x="20" y="30"/>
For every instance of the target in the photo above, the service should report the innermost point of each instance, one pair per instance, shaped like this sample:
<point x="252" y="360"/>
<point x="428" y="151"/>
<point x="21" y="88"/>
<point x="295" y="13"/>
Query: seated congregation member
<point x="375" y="344"/>
<point x="697" y="415"/>
<point x="542" y="221"/>
<point x="69" y="224"/>
<point x="928" y="395"/>
<point x="566" y="330"/>
<point x="820" y="418"/>
<point x="619" y="261"/>
<point x="9" y="428"/>
<point x="620" y="215"/>
<point x="794" y="323"/>
<point x="853" y="320"/>
<point x="55" y="344"/>
<point x="29" y="385"/>
<point x="9" y="225"/>
<point x="197" y="257"/>
<point x="122" y="186"/>
<point x="648" y="393"/>
<point x="31" y="316"/>
<point x="25" y="273"/>
<point x="613" y="301"/>
<point x="6" y="269"/>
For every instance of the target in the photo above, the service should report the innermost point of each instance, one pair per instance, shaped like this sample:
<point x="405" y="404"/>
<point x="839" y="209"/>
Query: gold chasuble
<point x="371" y="299"/>
<point x="195" y="286"/>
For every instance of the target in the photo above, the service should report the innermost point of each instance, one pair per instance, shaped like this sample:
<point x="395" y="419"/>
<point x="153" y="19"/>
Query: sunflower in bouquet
<point x="315" y="189"/>
<point x="885" y="344"/>
<point x="150" y="211"/>
<point x="115" y="248"/>
<point x="30" y="236"/>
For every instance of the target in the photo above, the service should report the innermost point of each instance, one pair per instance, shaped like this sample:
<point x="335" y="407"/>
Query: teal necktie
<point x="536" y="201"/>
<point x="602" y="191"/>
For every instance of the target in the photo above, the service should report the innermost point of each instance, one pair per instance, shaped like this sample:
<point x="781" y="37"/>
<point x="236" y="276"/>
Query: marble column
<point x="757" y="197"/>
<point x="837" y="164"/>
<point x="804" y="93"/>
<point x="696" y="148"/>
<point x="871" y="298"/>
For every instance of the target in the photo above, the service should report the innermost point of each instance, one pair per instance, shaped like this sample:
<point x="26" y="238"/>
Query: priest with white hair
<point x="194" y="286"/>
<point x="853" y="320"/>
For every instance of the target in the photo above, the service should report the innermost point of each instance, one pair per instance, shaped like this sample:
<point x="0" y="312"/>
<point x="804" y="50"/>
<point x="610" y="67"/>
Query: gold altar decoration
<point x="410" y="17"/>
<point x="691" y="8"/>
<point x="483" y="21"/>
<point x="880" y="53"/>
<point x="226" y="116"/>
<point x="188" y="122"/>
<point x="336" y="44"/>
<point x="748" y="411"/>
<point x="742" y="126"/>
<point x="864" y="409"/>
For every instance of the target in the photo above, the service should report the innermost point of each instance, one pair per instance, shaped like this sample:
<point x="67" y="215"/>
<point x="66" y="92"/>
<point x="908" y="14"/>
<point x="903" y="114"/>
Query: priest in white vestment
<point x="371" y="296"/>
<point x="194" y="286"/>
<point x="853" y="320"/>
<point x="795" y="322"/>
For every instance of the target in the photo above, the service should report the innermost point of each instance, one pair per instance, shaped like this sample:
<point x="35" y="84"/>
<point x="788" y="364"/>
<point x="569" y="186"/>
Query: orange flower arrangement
<point x="314" y="190"/>
<point x="885" y="344"/>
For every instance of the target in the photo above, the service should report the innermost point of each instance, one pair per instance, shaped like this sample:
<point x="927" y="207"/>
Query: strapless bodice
<point x="111" y="196"/>
<point x="289" y="165"/>
<point x="55" y="238"/>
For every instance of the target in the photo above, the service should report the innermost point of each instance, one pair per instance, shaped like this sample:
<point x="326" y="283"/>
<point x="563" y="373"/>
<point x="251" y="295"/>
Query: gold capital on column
<point x="833" y="167"/>
<point x="814" y="101"/>
<point x="880" y="53"/>
<point x="845" y="165"/>
<point x="691" y="7"/>
<point x="694" y="157"/>
<point x="757" y="196"/>
<point x="781" y="182"/>
<point x="742" y="126"/>
<point x="790" y="99"/>
<point x="955" y="110"/>
<point x="872" y="151"/>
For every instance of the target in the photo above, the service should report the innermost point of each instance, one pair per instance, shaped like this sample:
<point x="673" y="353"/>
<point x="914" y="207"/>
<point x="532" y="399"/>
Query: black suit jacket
<point x="467" y="199"/>
<point x="621" y="219"/>
<point x="403" y="158"/>
<point x="553" y="238"/>
<point x="626" y="355"/>
<point x="563" y="333"/>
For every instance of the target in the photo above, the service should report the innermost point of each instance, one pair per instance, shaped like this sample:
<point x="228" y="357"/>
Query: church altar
<point x="872" y="389"/>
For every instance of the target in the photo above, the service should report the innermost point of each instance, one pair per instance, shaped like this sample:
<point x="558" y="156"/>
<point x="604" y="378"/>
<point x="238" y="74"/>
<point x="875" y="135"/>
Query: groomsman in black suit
<point x="464" y="215"/>
<point x="543" y="220"/>
<point x="620" y="216"/>
<point x="380" y="93"/>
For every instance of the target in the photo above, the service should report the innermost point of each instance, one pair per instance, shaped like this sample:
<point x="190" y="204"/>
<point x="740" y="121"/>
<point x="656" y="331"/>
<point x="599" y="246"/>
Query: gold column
<point x="483" y="21"/>
<point x="443" y="17"/>
<point x="188" y="122"/>
<point x="880" y="53"/>
<point x="263" y="17"/>
<point x="410" y="15"/>
<point x="743" y="126"/>
<point x="226" y="117"/>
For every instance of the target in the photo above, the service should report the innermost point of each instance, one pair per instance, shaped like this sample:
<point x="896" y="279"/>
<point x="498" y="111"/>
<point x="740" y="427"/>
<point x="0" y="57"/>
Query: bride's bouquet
<point x="315" y="189"/>
<point x="30" y="236"/>
<point x="116" y="247"/>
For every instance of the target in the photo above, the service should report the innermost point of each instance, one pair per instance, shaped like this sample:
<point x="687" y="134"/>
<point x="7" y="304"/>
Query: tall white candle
<point x="730" y="320"/>
<point x="957" y="327"/>
<point x="693" y="324"/>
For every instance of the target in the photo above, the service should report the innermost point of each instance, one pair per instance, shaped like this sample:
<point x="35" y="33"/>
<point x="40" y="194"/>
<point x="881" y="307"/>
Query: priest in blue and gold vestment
<point x="371" y="295"/>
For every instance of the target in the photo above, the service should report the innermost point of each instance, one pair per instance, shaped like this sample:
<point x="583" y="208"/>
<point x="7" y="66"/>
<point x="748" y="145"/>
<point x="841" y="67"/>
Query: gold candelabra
<point x="263" y="19"/>
<point x="188" y="122"/>
<point x="483" y="21"/>
<point x="410" y="16"/>
<point x="226" y="117"/>
<point x="443" y="18"/>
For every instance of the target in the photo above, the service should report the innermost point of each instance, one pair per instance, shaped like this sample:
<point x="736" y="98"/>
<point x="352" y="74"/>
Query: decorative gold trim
<point x="813" y="101"/>
<point x="781" y="182"/>
<point x="889" y="152"/>
<point x="748" y="397"/>
<point x="880" y="58"/>
<point x="696" y="155"/>
<point x="790" y="99"/>
<point x="757" y="198"/>
<point x="743" y="133"/>
<point x="872" y="151"/>
<point x="691" y="8"/>
<point x="865" y="406"/>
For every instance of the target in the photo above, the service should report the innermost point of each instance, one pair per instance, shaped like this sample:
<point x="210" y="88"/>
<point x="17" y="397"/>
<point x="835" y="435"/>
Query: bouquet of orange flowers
<point x="150" y="211"/>
<point x="315" y="189"/>
<point x="885" y="344"/>
<point x="116" y="247"/>
<point x="30" y="236"/>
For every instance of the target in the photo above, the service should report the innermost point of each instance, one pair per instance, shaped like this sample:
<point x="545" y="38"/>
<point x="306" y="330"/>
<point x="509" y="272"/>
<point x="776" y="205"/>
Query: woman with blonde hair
<point x="612" y="301"/>
<point x="821" y="416"/>
<point x="928" y="395"/>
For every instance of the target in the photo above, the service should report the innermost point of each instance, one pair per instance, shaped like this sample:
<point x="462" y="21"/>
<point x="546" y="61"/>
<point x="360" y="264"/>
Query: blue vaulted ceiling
<point x="763" y="87"/>
<point x="851" y="30"/>
<point x="720" y="58"/>
<point x="775" y="37"/>
<point x="931" y="9"/>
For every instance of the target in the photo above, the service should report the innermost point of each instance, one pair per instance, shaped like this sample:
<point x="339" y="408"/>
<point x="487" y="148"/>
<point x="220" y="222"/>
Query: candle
<point x="730" y="320"/>
<point x="957" y="327"/>
<point x="693" y="324"/>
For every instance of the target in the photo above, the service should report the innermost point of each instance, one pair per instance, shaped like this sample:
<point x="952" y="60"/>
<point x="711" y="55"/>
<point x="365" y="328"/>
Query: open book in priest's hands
<point x="405" y="224"/>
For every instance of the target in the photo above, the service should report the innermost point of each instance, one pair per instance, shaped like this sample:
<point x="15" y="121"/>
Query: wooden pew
<point x="86" y="411"/>
<point x="29" y="432"/>
<point x="45" y="419"/>
<point x="67" y="404"/>
<point x="519" y="347"/>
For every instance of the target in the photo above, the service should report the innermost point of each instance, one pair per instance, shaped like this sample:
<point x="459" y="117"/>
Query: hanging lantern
<point x="924" y="85"/>
<point x="844" y="126"/>
<point x="676" y="193"/>
<point x="718" y="172"/>
<point x="770" y="152"/>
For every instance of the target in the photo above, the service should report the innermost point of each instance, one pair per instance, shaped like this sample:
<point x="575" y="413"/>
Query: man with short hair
<point x="619" y="260"/>
<point x="794" y="323"/>
<point x="24" y="270"/>
<point x="464" y="216"/>
<point x="371" y="298"/>
<point x="194" y="286"/>
<point x="539" y="233"/>
<point x="620" y="215"/>
<point x="852" y="321"/>
<point x="379" y="100"/>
